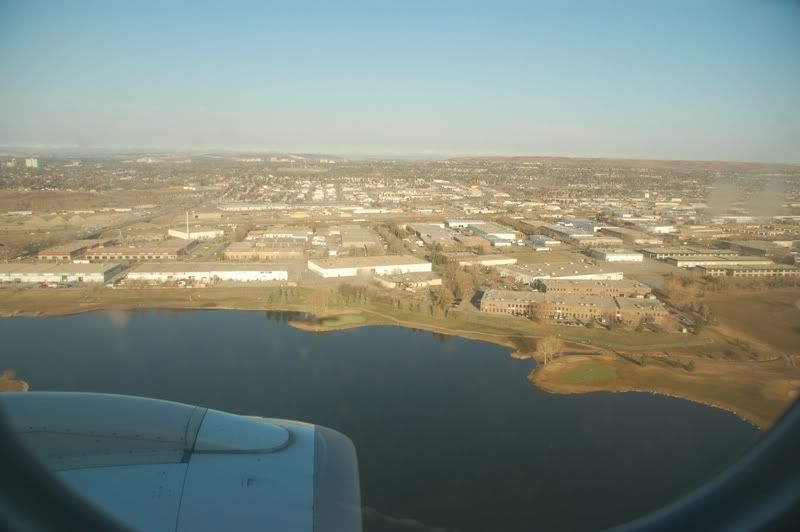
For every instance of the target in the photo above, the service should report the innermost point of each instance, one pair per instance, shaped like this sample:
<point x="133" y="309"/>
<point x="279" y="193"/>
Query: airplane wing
<point x="164" y="466"/>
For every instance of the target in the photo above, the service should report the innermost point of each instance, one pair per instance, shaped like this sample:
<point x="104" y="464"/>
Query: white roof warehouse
<point x="208" y="271"/>
<point x="378" y="265"/>
<point x="59" y="273"/>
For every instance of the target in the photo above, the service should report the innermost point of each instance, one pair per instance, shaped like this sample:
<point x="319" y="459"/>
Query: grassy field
<point x="768" y="317"/>
<point x="759" y="393"/>
<point x="590" y="373"/>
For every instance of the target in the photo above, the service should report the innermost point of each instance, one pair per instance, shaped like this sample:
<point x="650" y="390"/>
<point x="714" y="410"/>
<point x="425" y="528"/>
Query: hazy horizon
<point x="710" y="81"/>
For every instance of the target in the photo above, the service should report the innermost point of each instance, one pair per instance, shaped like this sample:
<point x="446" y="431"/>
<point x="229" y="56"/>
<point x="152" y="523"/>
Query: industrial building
<point x="68" y="251"/>
<point x="433" y="234"/>
<point x="582" y="287"/>
<point x="473" y="242"/>
<point x="356" y="236"/>
<point x="409" y="280"/>
<point x="760" y="248"/>
<point x="631" y="237"/>
<point x="58" y="273"/>
<point x="493" y="229"/>
<point x="281" y="233"/>
<point x="207" y="272"/>
<point x="543" y="240"/>
<point x="529" y="273"/>
<point x="196" y="233"/>
<point x="617" y="255"/>
<point x="253" y="250"/>
<point x="380" y="265"/>
<point x="565" y="307"/>
<point x="470" y="259"/>
<point x="596" y="241"/>
<point x="166" y="250"/>
<point x="774" y="270"/>
<point x="716" y="260"/>
<point x="685" y="251"/>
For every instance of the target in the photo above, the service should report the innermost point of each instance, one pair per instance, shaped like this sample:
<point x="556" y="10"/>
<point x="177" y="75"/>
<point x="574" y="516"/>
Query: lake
<point x="449" y="432"/>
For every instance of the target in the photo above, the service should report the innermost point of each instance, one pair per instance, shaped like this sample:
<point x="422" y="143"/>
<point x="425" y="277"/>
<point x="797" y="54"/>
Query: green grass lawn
<point x="590" y="374"/>
<point x="344" y="319"/>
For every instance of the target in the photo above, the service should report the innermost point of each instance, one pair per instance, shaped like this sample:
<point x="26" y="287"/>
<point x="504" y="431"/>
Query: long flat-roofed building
<point x="715" y="260"/>
<point x="631" y="237"/>
<point x="617" y="255"/>
<point x="196" y="233"/>
<point x="253" y="250"/>
<point x="68" y="251"/>
<point x="167" y="250"/>
<point x="683" y="251"/>
<point x="58" y="273"/>
<point x="774" y="270"/>
<point x="621" y="288"/>
<point x="380" y="265"/>
<point x="465" y="258"/>
<point x="356" y="236"/>
<point x="208" y="272"/>
<point x="529" y="273"/>
<point x="570" y="307"/>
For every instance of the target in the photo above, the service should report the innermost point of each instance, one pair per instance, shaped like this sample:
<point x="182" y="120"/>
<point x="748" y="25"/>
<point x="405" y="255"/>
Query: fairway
<point x="590" y="374"/>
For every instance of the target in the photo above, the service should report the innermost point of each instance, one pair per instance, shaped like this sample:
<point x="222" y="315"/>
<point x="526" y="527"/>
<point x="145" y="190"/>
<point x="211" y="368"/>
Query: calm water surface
<point x="449" y="432"/>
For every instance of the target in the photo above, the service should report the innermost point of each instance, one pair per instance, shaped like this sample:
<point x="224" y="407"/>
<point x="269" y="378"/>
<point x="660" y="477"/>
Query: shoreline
<point x="518" y="344"/>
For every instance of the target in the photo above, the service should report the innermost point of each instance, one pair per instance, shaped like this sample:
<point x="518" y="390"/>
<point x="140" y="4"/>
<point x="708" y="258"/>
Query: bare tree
<point x="547" y="347"/>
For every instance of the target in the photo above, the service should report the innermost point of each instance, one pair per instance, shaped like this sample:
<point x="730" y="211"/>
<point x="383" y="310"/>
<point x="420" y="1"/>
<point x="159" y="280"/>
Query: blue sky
<point x="692" y="79"/>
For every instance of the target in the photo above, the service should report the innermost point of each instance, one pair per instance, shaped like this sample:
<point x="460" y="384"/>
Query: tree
<point x="547" y="347"/>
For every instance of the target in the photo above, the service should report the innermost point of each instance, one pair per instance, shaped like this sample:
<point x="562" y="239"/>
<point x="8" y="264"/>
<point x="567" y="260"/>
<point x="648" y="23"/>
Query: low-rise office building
<point x="378" y="265"/>
<point x="567" y="307"/>
<point x="58" y="273"/>
<point x="581" y="287"/>
<point x="208" y="272"/>
<point x="409" y="280"/>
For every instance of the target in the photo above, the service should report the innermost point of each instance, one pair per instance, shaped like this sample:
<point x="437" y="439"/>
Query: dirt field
<point x="770" y="317"/>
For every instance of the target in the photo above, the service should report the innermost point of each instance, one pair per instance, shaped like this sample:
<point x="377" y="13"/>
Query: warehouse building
<point x="196" y="233"/>
<point x="166" y="250"/>
<point x="581" y="287"/>
<point x="207" y="272"/>
<point x="617" y="255"/>
<point x="380" y="265"/>
<point x="685" y="251"/>
<point x="409" y="280"/>
<point x="529" y="273"/>
<point x="433" y="234"/>
<point x="716" y="260"/>
<point x="278" y="233"/>
<point x="492" y="229"/>
<point x="572" y="308"/>
<point x="543" y="240"/>
<point x="631" y="237"/>
<point x="252" y="250"/>
<point x="356" y="236"/>
<point x="470" y="259"/>
<point x="68" y="251"/>
<point x="774" y="270"/>
<point x="58" y="273"/>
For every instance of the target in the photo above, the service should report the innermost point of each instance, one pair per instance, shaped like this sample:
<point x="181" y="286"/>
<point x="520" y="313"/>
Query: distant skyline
<point x="684" y="79"/>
